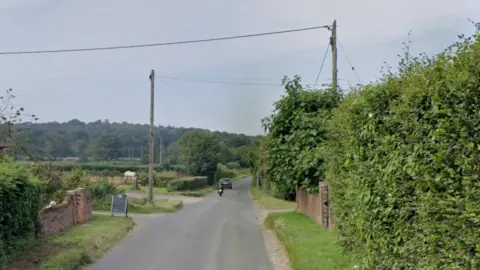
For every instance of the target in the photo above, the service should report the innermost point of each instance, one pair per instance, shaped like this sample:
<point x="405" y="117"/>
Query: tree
<point x="9" y="117"/>
<point x="200" y="152"/>
<point x="297" y="131"/>
<point x="105" y="147"/>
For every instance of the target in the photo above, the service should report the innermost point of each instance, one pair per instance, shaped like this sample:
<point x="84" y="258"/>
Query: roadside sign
<point x="120" y="205"/>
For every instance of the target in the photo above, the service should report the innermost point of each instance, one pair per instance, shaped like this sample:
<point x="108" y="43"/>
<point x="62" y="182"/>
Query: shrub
<point x="404" y="165"/>
<point x="107" y="169"/>
<point x="159" y="179"/>
<point x="233" y="165"/>
<point x="187" y="183"/>
<point x="223" y="172"/>
<point x="102" y="193"/>
<point x="19" y="206"/>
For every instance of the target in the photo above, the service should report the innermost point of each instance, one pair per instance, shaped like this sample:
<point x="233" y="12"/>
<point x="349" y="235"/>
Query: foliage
<point x="187" y="183"/>
<point x="223" y="172"/>
<point x="55" y="141"/>
<point x="10" y="115"/>
<point x="102" y="193"/>
<point x="200" y="152"/>
<point x="102" y="168"/>
<point x="404" y="164"/>
<point x="106" y="147"/>
<point x="19" y="206"/>
<point x="296" y="130"/>
<point x="233" y="165"/>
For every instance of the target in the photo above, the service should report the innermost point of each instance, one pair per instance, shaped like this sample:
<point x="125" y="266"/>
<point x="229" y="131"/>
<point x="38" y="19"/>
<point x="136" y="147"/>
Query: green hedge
<point x="223" y="172"/>
<point x="187" y="183"/>
<point x="404" y="165"/>
<point x="106" y="169"/>
<point x="19" y="206"/>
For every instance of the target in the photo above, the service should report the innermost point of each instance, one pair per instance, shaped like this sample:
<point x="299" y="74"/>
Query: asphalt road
<point x="217" y="233"/>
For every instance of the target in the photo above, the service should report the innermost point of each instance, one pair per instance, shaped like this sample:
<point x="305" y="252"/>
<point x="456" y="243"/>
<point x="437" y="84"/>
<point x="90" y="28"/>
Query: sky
<point x="115" y="85"/>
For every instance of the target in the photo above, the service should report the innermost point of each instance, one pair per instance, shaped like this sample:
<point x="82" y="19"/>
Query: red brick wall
<point x="76" y="208"/>
<point x="316" y="206"/>
<point x="57" y="218"/>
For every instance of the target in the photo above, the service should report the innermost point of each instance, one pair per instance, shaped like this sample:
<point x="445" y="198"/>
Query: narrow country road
<point x="217" y="233"/>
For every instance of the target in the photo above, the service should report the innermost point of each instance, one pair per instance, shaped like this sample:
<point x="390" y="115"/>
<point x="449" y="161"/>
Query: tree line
<point x="105" y="141"/>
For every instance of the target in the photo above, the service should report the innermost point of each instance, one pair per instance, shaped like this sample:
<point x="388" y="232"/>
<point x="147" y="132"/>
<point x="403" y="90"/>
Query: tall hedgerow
<point x="404" y="164"/>
<point x="19" y="206"/>
<point x="296" y="131"/>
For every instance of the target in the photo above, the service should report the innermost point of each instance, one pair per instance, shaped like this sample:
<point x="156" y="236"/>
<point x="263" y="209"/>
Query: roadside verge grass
<point x="269" y="202"/>
<point x="309" y="246"/>
<point x="143" y="206"/>
<point x="81" y="245"/>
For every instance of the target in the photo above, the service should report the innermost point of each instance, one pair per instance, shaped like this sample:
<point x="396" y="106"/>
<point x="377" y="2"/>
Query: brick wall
<point x="316" y="206"/>
<point x="57" y="218"/>
<point x="76" y="208"/>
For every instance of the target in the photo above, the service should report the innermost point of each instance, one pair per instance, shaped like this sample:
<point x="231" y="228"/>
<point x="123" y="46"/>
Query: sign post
<point x="120" y="205"/>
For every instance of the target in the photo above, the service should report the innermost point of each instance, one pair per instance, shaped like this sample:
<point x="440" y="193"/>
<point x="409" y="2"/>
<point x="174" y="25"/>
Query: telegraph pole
<point x="150" y="156"/>
<point x="333" y="43"/>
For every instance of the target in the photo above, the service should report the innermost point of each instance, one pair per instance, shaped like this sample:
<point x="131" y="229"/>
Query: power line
<point x="164" y="43"/>
<point x="193" y="101"/>
<point x="321" y="67"/>
<point x="220" y="82"/>
<point x="348" y="60"/>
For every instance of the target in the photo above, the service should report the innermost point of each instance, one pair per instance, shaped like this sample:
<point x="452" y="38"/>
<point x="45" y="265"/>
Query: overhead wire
<point x="170" y="43"/>
<point x="348" y="60"/>
<point x="187" y="97"/>
<point x="321" y="67"/>
<point x="219" y="82"/>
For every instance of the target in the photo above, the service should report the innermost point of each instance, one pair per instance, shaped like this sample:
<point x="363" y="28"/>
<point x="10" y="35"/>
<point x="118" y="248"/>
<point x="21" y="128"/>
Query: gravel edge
<point x="276" y="250"/>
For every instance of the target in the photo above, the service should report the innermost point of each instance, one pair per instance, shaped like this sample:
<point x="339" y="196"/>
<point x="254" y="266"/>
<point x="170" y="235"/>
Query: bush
<point x="187" y="183"/>
<point x="223" y="172"/>
<point x="102" y="193"/>
<point x="106" y="169"/>
<point x="404" y="165"/>
<point x="19" y="206"/>
<point x="233" y="165"/>
<point x="159" y="179"/>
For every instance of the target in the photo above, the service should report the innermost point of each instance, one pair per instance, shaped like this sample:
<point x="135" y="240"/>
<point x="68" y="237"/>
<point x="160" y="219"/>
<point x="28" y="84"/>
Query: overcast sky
<point x="114" y="85"/>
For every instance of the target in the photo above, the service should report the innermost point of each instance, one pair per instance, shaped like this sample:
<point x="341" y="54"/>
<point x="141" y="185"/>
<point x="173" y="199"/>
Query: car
<point x="226" y="183"/>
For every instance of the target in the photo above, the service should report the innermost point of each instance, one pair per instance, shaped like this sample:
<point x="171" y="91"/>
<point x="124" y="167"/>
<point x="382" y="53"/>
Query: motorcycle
<point x="219" y="191"/>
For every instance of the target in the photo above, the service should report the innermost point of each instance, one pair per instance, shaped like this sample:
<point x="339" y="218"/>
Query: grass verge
<point x="269" y="202"/>
<point x="81" y="245"/>
<point x="309" y="246"/>
<point x="143" y="206"/>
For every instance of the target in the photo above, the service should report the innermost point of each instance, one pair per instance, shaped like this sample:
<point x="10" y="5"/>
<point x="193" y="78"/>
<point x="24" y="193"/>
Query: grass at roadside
<point x="80" y="245"/>
<point x="269" y="202"/>
<point x="142" y="206"/>
<point x="309" y="246"/>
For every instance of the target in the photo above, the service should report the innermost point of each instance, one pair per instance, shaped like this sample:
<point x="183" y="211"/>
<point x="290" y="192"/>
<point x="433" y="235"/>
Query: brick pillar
<point x="324" y="204"/>
<point x="82" y="208"/>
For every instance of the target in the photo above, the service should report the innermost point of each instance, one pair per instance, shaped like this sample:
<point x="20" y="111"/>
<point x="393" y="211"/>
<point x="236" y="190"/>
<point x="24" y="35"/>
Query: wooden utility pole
<point x="333" y="43"/>
<point x="150" y="156"/>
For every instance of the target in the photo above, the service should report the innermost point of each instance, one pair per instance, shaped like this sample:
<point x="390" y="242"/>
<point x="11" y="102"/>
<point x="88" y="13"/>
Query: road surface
<point x="217" y="233"/>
